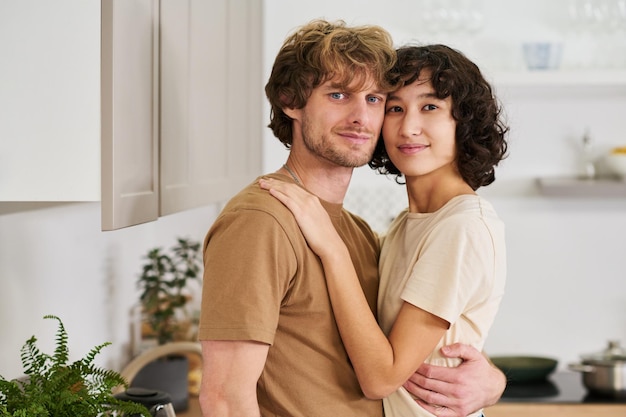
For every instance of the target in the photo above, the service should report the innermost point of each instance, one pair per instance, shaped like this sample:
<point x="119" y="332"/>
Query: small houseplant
<point x="165" y="293"/>
<point x="53" y="387"/>
<point x="165" y="317"/>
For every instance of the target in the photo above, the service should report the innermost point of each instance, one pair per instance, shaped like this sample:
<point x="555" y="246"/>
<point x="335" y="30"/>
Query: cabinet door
<point x="129" y="112"/>
<point x="49" y="100"/>
<point x="211" y="100"/>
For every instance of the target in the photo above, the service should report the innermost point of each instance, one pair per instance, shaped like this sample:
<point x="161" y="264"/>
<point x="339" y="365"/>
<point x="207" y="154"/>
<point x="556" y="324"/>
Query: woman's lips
<point x="411" y="148"/>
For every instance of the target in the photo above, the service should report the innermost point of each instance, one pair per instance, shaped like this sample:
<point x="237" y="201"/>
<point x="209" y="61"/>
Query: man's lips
<point x="356" y="137"/>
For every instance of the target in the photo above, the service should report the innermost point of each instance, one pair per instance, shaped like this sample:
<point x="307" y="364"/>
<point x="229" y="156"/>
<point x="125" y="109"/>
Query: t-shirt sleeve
<point x="249" y="263"/>
<point x="455" y="269"/>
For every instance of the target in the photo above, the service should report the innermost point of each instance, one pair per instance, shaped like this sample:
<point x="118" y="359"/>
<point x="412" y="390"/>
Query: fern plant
<point x="55" y="388"/>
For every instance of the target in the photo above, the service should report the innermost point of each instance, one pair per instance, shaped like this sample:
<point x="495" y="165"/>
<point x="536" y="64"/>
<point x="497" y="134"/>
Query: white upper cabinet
<point x="151" y="107"/>
<point x="49" y="100"/>
<point x="211" y="100"/>
<point x="130" y="112"/>
<point x="182" y="111"/>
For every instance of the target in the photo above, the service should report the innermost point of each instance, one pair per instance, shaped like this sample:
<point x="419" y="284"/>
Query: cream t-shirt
<point x="451" y="263"/>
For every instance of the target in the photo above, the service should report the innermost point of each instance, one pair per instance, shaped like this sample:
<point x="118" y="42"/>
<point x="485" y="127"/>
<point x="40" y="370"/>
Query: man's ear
<point x="294" y="114"/>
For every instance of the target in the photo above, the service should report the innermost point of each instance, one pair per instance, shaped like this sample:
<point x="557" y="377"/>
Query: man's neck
<point x="328" y="182"/>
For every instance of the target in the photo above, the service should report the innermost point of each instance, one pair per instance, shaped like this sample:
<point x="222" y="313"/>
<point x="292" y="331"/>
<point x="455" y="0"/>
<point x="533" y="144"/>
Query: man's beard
<point x="325" y="149"/>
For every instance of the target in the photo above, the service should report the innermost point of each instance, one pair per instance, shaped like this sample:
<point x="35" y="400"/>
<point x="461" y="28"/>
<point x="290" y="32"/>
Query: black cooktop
<point x="560" y="387"/>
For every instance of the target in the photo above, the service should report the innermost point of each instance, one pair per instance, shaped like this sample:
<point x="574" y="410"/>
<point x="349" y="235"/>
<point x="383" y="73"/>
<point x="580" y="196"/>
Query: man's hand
<point x="460" y="391"/>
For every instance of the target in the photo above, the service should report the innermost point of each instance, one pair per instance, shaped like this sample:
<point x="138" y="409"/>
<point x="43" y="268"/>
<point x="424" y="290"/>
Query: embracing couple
<point x="305" y="310"/>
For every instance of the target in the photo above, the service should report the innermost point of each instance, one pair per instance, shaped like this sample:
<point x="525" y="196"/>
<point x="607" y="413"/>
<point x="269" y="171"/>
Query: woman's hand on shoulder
<point x="308" y="211"/>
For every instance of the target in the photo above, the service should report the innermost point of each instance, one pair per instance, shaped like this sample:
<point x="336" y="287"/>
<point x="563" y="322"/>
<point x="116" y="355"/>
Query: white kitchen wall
<point x="566" y="291"/>
<point x="54" y="259"/>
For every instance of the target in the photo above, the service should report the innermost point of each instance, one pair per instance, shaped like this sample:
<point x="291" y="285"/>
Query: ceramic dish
<point x="616" y="161"/>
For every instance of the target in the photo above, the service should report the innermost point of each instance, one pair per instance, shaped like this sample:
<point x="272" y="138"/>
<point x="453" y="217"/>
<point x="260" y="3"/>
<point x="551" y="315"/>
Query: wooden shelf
<point x="575" y="187"/>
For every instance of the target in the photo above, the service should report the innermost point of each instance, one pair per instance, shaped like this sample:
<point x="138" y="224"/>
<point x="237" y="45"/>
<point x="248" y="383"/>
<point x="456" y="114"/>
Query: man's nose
<point x="360" y="112"/>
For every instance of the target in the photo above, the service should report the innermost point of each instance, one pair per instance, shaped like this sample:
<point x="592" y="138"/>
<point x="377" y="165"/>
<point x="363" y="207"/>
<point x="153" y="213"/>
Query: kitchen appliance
<point x="561" y="387"/>
<point x="604" y="373"/>
<point x="158" y="402"/>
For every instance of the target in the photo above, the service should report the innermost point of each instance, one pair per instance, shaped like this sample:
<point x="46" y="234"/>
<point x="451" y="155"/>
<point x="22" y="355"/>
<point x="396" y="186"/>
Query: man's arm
<point x="230" y="371"/>
<point x="456" y="392"/>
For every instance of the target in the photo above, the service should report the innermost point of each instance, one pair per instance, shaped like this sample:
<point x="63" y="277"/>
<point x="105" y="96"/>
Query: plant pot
<point x="145" y="337"/>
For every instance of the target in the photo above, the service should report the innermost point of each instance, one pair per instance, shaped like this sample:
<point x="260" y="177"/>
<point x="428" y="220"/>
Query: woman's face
<point x="419" y="130"/>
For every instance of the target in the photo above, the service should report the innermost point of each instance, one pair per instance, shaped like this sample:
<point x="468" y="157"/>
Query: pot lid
<point x="147" y="397"/>
<point x="613" y="353"/>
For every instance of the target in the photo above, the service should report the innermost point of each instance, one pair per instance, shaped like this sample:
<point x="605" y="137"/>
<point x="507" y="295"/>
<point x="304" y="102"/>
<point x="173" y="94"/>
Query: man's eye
<point x="374" y="99"/>
<point x="337" y="96"/>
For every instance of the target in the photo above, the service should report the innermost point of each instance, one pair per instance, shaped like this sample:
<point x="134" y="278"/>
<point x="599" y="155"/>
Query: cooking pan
<point x="524" y="369"/>
<point x="604" y="373"/>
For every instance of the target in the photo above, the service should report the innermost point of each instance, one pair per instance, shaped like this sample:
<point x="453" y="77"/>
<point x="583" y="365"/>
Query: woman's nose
<point x="411" y="126"/>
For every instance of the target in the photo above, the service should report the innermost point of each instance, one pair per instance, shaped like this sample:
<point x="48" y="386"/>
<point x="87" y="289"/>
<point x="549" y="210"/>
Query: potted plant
<point x="165" y="294"/>
<point x="165" y="316"/>
<point x="54" y="387"/>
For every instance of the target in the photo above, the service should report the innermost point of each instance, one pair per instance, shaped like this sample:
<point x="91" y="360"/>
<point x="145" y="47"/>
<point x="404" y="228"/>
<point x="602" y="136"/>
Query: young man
<point x="270" y="342"/>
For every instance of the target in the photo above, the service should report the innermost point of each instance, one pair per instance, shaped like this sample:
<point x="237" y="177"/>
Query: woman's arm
<point x="382" y="365"/>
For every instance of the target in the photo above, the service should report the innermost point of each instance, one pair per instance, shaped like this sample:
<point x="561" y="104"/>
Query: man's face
<point x="341" y="126"/>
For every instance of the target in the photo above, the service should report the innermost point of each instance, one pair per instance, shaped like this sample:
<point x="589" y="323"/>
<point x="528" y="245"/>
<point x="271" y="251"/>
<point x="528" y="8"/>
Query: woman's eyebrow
<point x="431" y="95"/>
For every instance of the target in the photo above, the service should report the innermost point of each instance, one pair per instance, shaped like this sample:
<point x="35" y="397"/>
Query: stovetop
<point x="560" y="387"/>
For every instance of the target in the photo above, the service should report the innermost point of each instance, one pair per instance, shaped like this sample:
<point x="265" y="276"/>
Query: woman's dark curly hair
<point x="480" y="132"/>
<point x="320" y="51"/>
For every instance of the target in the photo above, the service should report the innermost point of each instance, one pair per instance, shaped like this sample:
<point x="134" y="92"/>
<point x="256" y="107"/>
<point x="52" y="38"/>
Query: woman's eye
<point x="394" y="109"/>
<point x="430" y="107"/>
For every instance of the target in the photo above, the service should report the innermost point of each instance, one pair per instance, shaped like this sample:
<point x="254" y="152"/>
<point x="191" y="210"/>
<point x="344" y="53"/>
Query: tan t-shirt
<point x="451" y="263"/>
<point x="263" y="283"/>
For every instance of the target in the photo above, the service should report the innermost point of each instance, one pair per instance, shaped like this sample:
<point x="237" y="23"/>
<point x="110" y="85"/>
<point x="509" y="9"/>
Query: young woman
<point x="442" y="267"/>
